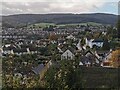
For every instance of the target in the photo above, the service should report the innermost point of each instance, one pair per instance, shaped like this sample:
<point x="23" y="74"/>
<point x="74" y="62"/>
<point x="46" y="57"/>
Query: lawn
<point x="42" y="25"/>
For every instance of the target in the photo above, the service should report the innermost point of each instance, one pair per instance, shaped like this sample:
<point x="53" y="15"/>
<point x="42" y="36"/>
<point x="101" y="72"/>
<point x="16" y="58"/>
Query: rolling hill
<point x="23" y="19"/>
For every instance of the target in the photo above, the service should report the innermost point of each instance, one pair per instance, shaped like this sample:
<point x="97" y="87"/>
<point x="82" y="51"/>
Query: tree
<point x="95" y="47"/>
<point x="115" y="58"/>
<point x="53" y="37"/>
<point x="96" y="35"/>
<point x="112" y="32"/>
<point x="118" y="28"/>
<point x="50" y="79"/>
<point x="82" y="42"/>
<point x="50" y="28"/>
<point x="64" y="76"/>
<point x="87" y="47"/>
<point x="106" y="45"/>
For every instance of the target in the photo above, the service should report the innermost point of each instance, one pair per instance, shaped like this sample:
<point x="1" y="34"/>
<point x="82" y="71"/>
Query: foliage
<point x="49" y="28"/>
<point x="112" y="33"/>
<point x="106" y="45"/>
<point x="115" y="58"/>
<point x="66" y="76"/>
<point x="44" y="51"/>
<point x="53" y="37"/>
<point x="15" y="65"/>
<point x="82" y="42"/>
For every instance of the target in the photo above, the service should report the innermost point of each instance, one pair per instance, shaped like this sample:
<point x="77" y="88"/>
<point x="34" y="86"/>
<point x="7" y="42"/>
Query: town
<point x="29" y="52"/>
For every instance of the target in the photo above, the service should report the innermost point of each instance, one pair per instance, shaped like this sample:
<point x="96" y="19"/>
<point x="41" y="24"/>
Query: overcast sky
<point x="59" y="6"/>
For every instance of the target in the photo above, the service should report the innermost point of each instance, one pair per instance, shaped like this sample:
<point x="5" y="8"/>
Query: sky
<point x="58" y="6"/>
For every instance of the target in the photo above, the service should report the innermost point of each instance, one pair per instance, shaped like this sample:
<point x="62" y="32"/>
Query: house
<point x="97" y="42"/>
<point x="38" y="69"/>
<point x="18" y="74"/>
<point x="70" y="37"/>
<point x="80" y="63"/>
<point x="88" y="42"/>
<point x="67" y="55"/>
<point x="60" y="50"/>
<point x="106" y="62"/>
<point x="7" y="49"/>
<point x="79" y="45"/>
<point x="89" y="59"/>
<point x="103" y="54"/>
<point x="20" y="42"/>
<point x="85" y="61"/>
<point x="32" y="50"/>
<point x="20" y="51"/>
<point x="108" y="55"/>
<point x="94" y="42"/>
<point x="41" y="69"/>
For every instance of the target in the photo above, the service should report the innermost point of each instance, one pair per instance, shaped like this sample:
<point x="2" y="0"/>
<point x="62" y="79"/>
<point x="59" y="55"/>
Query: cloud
<point x="51" y="6"/>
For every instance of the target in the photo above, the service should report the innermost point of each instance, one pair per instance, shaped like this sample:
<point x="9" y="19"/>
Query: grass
<point x="74" y="24"/>
<point x="42" y="25"/>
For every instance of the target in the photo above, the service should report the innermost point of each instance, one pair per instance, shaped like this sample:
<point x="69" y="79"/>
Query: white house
<point x="81" y="64"/>
<point x="98" y="43"/>
<point x="93" y="42"/>
<point x="88" y="42"/>
<point x="67" y="55"/>
<point x="59" y="49"/>
<point x="79" y="46"/>
<point x="106" y="61"/>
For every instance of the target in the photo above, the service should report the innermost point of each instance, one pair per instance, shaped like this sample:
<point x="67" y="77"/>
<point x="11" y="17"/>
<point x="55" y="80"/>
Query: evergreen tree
<point x="106" y="45"/>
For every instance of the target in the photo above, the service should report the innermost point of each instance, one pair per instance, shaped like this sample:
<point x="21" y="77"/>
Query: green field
<point x="90" y="23"/>
<point x="42" y="25"/>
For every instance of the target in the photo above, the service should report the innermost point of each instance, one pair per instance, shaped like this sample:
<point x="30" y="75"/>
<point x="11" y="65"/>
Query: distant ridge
<point x="22" y="19"/>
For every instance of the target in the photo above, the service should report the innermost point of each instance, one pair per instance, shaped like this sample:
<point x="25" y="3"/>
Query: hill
<point x="23" y="19"/>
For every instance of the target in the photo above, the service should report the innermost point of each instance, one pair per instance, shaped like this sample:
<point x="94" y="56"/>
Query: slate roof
<point x="71" y="48"/>
<point x="103" y="53"/>
<point x="91" y="58"/>
<point x="38" y="69"/>
<point x="84" y="60"/>
<point x="19" y="50"/>
<point x="24" y="46"/>
<point x="32" y="49"/>
<point x="8" y="48"/>
<point x="93" y="54"/>
<point x="97" y="40"/>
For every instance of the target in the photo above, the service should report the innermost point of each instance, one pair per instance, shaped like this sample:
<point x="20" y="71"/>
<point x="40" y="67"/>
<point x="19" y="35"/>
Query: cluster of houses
<point x="66" y="51"/>
<point x="87" y="59"/>
<point x="19" y="33"/>
<point x="20" y="42"/>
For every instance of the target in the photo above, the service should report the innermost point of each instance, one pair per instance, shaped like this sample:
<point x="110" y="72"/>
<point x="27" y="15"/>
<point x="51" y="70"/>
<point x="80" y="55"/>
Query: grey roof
<point x="19" y="50"/>
<point x="84" y="59"/>
<point x="8" y="48"/>
<point x="33" y="49"/>
<point x="71" y="48"/>
<point x="91" y="58"/>
<point x="97" y="40"/>
<point x="38" y="69"/>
